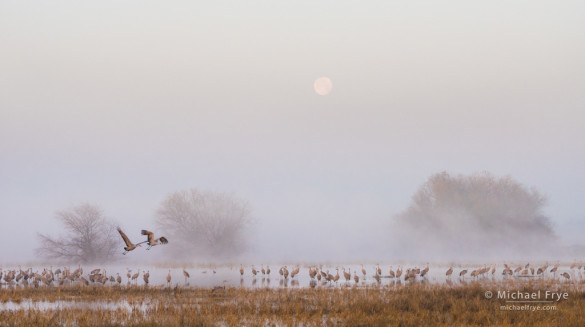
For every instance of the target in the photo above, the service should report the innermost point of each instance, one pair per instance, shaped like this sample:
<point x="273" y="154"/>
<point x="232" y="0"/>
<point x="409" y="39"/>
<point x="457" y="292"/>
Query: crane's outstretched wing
<point x="149" y="234"/>
<point x="126" y="239"/>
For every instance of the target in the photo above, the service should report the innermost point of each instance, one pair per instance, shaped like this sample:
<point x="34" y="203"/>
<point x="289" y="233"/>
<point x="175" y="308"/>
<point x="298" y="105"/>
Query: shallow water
<point x="83" y="305"/>
<point x="214" y="276"/>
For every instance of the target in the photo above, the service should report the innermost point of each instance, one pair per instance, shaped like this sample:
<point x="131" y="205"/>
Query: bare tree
<point x="204" y="224"/>
<point x="474" y="215"/>
<point x="89" y="237"/>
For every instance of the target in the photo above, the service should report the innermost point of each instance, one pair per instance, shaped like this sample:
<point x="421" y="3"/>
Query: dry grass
<point x="398" y="305"/>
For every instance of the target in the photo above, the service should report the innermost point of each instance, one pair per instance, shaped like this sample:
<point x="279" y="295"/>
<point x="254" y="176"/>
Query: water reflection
<point x="321" y="276"/>
<point x="83" y="305"/>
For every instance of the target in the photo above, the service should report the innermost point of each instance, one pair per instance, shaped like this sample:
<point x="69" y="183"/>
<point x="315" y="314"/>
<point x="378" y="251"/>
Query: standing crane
<point x="424" y="271"/>
<point x="346" y="275"/>
<point x="399" y="272"/>
<point x="219" y="288"/>
<point x="285" y="272"/>
<point x="449" y="272"/>
<point x="135" y="276"/>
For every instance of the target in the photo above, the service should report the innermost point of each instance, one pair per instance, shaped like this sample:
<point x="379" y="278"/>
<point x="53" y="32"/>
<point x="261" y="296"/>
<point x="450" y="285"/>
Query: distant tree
<point x="89" y="238"/>
<point x="204" y="224"/>
<point x="477" y="214"/>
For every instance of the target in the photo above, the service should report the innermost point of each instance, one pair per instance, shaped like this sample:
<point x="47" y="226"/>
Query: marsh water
<point x="83" y="305"/>
<point x="210" y="276"/>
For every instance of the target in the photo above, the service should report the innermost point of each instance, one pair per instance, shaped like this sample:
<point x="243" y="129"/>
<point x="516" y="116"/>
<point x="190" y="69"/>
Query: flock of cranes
<point x="68" y="276"/>
<point x="150" y="240"/>
<point x="320" y="274"/>
<point x="63" y="276"/>
<point x="521" y="271"/>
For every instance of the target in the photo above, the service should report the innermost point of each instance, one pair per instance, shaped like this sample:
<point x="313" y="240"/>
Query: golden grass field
<point x="416" y="304"/>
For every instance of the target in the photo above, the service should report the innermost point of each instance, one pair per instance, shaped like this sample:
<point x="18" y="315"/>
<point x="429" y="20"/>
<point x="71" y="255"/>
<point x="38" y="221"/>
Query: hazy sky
<point x="120" y="103"/>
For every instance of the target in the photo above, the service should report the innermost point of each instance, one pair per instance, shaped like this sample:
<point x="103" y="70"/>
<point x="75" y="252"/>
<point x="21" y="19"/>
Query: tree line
<point x="197" y="223"/>
<point x="476" y="214"/>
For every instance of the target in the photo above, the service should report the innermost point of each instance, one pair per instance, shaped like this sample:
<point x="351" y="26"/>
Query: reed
<point x="393" y="305"/>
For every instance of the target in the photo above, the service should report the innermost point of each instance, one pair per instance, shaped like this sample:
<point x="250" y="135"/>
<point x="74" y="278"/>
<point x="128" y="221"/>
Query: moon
<point x="323" y="85"/>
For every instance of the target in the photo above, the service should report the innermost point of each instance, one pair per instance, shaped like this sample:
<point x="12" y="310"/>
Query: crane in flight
<point x="129" y="245"/>
<point x="151" y="240"/>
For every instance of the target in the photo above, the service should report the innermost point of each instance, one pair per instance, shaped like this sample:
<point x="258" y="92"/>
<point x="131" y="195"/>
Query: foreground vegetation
<point x="397" y="305"/>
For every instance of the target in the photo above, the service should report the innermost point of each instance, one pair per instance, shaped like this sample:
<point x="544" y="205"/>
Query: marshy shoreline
<point x="399" y="305"/>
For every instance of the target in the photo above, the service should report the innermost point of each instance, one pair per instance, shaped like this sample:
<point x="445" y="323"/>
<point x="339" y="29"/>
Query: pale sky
<point x="120" y="103"/>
